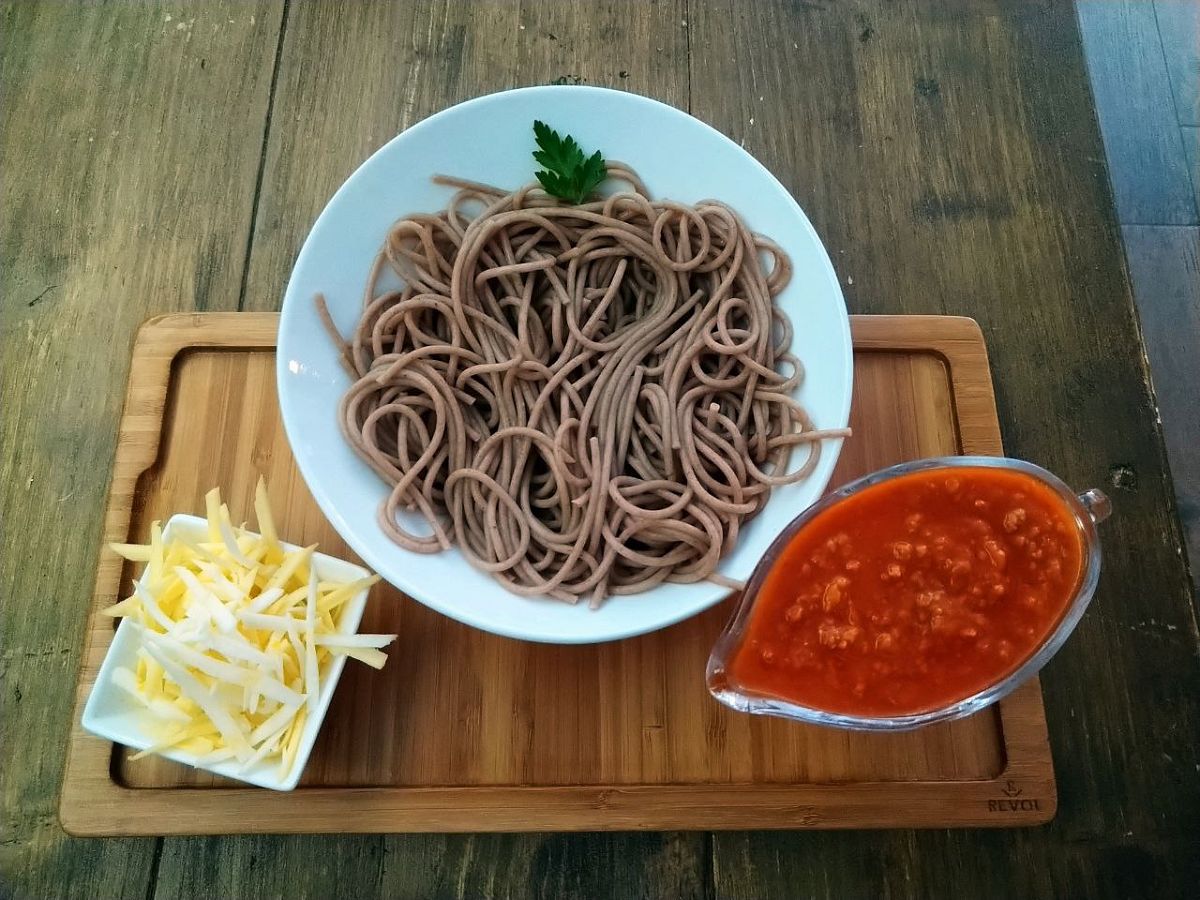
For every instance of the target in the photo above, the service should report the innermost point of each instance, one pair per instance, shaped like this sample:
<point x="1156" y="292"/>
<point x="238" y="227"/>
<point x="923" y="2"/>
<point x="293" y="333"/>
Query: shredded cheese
<point x="237" y="633"/>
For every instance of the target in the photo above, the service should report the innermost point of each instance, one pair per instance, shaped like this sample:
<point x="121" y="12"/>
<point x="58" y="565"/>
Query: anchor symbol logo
<point x="1010" y="789"/>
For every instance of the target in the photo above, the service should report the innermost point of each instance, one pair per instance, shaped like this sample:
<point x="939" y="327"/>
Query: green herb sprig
<point x="567" y="174"/>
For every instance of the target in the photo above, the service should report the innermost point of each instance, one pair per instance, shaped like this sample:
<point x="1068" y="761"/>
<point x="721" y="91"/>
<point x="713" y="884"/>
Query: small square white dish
<point x="111" y="713"/>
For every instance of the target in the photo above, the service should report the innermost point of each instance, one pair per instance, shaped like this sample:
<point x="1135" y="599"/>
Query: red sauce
<point x="912" y="594"/>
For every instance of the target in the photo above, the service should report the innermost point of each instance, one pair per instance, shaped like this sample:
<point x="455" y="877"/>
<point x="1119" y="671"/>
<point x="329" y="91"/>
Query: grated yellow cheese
<point x="237" y="636"/>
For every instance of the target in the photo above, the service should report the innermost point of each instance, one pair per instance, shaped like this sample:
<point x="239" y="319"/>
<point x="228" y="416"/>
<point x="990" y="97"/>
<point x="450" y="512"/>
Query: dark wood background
<point x="1144" y="65"/>
<point x="157" y="158"/>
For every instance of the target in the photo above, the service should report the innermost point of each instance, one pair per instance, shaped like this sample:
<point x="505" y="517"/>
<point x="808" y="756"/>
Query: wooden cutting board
<point x="466" y="731"/>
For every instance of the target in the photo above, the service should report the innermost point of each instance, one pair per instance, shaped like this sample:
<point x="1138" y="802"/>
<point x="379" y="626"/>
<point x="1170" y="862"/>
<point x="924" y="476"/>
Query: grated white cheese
<point x="236" y="634"/>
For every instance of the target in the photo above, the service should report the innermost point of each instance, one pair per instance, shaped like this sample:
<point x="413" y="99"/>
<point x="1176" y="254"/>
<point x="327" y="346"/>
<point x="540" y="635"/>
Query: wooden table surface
<point x="157" y="158"/>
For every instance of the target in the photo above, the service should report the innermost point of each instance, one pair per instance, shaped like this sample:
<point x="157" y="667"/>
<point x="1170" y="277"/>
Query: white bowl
<point x="111" y="713"/>
<point x="490" y="139"/>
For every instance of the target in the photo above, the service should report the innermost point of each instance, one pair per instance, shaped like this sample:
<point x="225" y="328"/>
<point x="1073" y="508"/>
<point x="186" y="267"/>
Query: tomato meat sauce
<point x="913" y="593"/>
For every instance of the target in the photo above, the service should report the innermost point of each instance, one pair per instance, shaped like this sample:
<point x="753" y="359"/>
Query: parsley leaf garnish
<point x="566" y="173"/>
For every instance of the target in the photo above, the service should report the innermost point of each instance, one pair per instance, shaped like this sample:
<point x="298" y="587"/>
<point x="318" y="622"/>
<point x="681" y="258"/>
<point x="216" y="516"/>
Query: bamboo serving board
<point x="466" y="731"/>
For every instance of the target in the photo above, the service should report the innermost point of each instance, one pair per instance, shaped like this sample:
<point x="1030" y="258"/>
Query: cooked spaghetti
<point x="586" y="400"/>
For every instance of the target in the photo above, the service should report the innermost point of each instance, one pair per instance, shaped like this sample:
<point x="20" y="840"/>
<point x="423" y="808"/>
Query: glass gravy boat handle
<point x="1097" y="504"/>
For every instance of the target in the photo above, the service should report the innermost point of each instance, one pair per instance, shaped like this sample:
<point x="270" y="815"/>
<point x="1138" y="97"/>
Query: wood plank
<point x="952" y="163"/>
<point x="1136" y="110"/>
<point x="918" y="865"/>
<point x="198" y="868"/>
<point x="1164" y="266"/>
<point x="480" y="749"/>
<point x="560" y="866"/>
<point x="454" y="51"/>
<point x="113" y="204"/>
<point x="1191" y="147"/>
<point x="1179" y="28"/>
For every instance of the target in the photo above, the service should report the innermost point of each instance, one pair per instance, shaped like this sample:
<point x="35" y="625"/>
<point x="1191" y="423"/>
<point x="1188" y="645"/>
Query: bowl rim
<point x="744" y="700"/>
<point x="527" y="628"/>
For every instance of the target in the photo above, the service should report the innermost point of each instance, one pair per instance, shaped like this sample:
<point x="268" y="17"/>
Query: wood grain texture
<point x="1164" y="265"/>
<point x="515" y="735"/>
<point x="401" y="62"/>
<point x="426" y="867"/>
<point x="952" y="163"/>
<point x="1179" y="29"/>
<point x="1191" y="147"/>
<point x="125" y="190"/>
<point x="1137" y="112"/>
<point x="912" y="194"/>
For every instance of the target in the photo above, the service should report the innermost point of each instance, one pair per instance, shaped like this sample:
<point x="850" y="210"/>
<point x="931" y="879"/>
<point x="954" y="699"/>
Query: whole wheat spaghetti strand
<point x="586" y="400"/>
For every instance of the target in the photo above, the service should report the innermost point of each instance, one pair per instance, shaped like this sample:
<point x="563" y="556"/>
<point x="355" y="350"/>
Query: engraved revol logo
<point x="1013" y="801"/>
